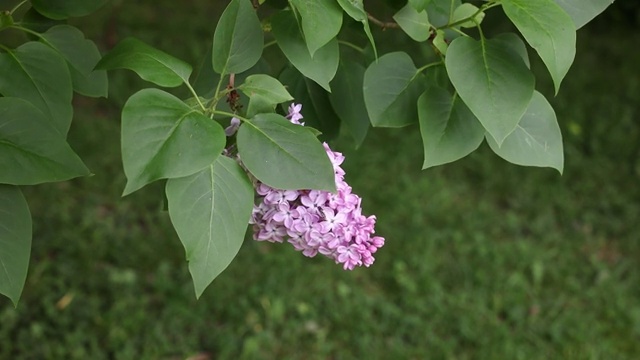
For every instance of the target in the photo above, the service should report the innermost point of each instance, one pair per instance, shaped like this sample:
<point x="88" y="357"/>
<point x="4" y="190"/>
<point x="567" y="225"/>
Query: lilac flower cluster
<point x="316" y="221"/>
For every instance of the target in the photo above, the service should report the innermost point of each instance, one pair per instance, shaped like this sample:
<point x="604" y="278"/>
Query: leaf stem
<point x="351" y="45"/>
<point x="15" y="8"/>
<point x="383" y="24"/>
<point x="423" y="68"/>
<point x="214" y="101"/>
<point x="469" y="18"/>
<point x="193" y="91"/>
<point x="270" y="43"/>
<point x="229" y="114"/>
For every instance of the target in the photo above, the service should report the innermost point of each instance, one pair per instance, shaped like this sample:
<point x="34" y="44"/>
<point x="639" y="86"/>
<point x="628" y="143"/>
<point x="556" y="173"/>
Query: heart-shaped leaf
<point x="324" y="64"/>
<point x="347" y="99"/>
<point x="583" y="11"/>
<point x="419" y="5"/>
<point x="62" y="9"/>
<point x="148" y="62"/>
<point x="37" y="73"/>
<point x="210" y="211"/>
<point x="284" y="155"/>
<point x="355" y="9"/>
<point x="549" y="30"/>
<point x="465" y="11"/>
<point x="413" y="22"/>
<point x="449" y="129"/>
<point x="536" y="141"/>
<point x="391" y="88"/>
<point x="162" y="137"/>
<point x="238" y="40"/>
<point x="81" y="55"/>
<point x="321" y="21"/>
<point x="266" y="87"/>
<point x="493" y="82"/>
<point x="15" y="241"/>
<point x="31" y="150"/>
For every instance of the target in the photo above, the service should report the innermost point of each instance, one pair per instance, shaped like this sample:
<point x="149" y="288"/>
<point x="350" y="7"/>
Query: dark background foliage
<point x="483" y="259"/>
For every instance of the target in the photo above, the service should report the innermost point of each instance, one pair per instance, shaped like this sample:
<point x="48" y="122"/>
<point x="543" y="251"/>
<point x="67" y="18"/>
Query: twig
<point x="384" y="25"/>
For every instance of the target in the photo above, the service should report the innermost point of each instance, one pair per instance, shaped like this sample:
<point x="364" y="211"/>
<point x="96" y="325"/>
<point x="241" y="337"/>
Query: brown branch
<point x="384" y="25"/>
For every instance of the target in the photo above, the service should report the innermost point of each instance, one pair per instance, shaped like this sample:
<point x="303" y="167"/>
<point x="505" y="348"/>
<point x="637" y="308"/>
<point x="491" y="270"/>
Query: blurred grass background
<point x="483" y="259"/>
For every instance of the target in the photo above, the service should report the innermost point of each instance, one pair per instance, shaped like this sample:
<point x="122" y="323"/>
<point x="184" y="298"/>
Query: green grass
<point x="483" y="259"/>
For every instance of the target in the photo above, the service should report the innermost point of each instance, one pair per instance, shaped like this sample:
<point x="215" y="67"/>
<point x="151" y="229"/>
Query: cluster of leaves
<point x="37" y="82"/>
<point x="466" y="89"/>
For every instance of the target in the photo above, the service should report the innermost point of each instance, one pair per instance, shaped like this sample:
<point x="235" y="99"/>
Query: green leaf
<point x="467" y="10"/>
<point x="148" y="62"/>
<point x="316" y="109"/>
<point x="536" y="141"/>
<point x="15" y="241"/>
<point x="440" y="11"/>
<point x="210" y="211"/>
<point x="162" y="137"/>
<point x="266" y="87"/>
<point x="284" y="155"/>
<point x="355" y="9"/>
<point x="238" y="40"/>
<point x="516" y="44"/>
<point x="419" y="5"/>
<point x="583" y="11"/>
<point x="36" y="73"/>
<point x="391" y="88"/>
<point x="37" y="22"/>
<point x="81" y="55"/>
<point x="347" y="99"/>
<point x="440" y="43"/>
<point x="62" y="9"/>
<point x="31" y="150"/>
<point x="493" y="82"/>
<point x="321" y="21"/>
<point x="549" y="30"/>
<point x="258" y="105"/>
<point x="414" y="23"/>
<point x="324" y="64"/>
<point x="449" y="129"/>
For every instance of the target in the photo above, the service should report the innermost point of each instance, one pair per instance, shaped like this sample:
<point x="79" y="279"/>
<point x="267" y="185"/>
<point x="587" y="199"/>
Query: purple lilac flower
<point x="317" y="222"/>
<point x="233" y="127"/>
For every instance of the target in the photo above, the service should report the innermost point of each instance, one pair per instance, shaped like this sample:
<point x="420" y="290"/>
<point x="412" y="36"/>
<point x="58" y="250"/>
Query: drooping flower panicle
<point x="314" y="221"/>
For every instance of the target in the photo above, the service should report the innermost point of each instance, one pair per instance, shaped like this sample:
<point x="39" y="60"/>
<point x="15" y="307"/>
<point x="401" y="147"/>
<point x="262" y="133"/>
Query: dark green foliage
<point x="523" y="265"/>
